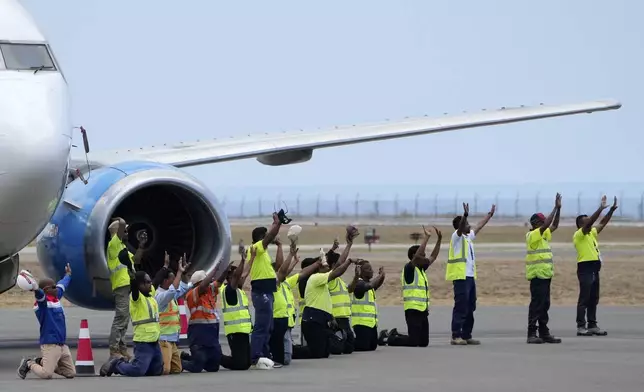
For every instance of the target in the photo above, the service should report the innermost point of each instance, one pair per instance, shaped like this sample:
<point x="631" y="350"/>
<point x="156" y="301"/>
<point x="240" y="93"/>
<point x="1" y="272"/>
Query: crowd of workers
<point x="335" y="318"/>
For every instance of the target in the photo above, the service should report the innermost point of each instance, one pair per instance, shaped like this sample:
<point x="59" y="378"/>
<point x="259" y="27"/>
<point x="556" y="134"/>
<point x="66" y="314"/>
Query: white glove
<point x="323" y="257"/>
<point x="293" y="233"/>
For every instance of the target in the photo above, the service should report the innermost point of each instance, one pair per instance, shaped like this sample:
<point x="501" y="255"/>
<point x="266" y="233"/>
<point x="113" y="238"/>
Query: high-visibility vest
<point x="538" y="262"/>
<point x="169" y="320"/>
<point x="144" y="313"/>
<point x="456" y="262"/>
<point x="415" y="294"/>
<point x="340" y="298"/>
<point x="280" y="304"/>
<point x="119" y="276"/>
<point x="202" y="308"/>
<point x="364" y="311"/>
<point x="236" y="318"/>
<point x="290" y="303"/>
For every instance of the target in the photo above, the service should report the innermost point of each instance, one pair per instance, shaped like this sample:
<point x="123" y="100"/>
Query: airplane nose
<point x="34" y="151"/>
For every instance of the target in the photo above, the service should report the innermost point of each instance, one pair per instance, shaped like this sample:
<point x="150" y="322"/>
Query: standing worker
<point x="539" y="270"/>
<point x="169" y="288"/>
<point x="415" y="293"/>
<point x="589" y="263"/>
<point x="263" y="286"/>
<point x="119" y="263"/>
<point x="364" y="311"/>
<point x="461" y="270"/>
<point x="144" y="312"/>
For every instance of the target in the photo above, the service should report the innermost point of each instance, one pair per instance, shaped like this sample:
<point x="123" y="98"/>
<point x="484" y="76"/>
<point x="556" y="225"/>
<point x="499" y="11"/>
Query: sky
<point x="147" y="72"/>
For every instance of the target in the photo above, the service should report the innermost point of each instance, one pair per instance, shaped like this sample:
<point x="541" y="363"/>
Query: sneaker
<point x="597" y="331"/>
<point x="550" y="339"/>
<point x="458" y="342"/>
<point x="263" y="364"/>
<point x="108" y="367"/>
<point x="277" y="365"/>
<point x="185" y="356"/>
<point x="534" y="340"/>
<point x="382" y="337"/>
<point x="472" y="342"/>
<point x="393" y="332"/>
<point x="582" y="331"/>
<point x="23" y="369"/>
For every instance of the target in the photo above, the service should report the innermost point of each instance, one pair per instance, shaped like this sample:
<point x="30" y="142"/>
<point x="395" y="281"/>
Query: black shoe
<point x="582" y="331"/>
<point x="550" y="339"/>
<point x="185" y="356"/>
<point x="393" y="332"/>
<point x="108" y="367"/>
<point x="382" y="338"/>
<point x="23" y="369"/>
<point x="534" y="340"/>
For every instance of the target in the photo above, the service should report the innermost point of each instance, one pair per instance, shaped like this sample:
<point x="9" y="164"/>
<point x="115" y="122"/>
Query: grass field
<point x="501" y="280"/>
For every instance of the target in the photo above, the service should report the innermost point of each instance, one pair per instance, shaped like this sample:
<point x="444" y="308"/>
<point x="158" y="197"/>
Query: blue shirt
<point x="164" y="297"/>
<point x="51" y="315"/>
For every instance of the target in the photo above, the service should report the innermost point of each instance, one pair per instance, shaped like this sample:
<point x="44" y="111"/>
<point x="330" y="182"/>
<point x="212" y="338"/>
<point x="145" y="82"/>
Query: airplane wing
<point x="294" y="147"/>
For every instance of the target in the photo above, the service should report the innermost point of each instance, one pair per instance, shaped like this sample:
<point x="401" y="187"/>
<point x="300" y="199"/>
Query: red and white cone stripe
<point x="84" y="356"/>
<point x="183" y="319"/>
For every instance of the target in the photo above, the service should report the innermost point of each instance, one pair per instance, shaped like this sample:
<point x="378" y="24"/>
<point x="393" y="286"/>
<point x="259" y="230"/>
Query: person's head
<point x="168" y="278"/>
<point x="332" y="258"/>
<point x="456" y="222"/>
<point x="258" y="234"/>
<point x="366" y="271"/>
<point x="230" y="272"/>
<point x="48" y="286"/>
<point x="537" y="220"/>
<point x="581" y="221"/>
<point x="412" y="251"/>
<point x="197" y="277"/>
<point x="143" y="282"/>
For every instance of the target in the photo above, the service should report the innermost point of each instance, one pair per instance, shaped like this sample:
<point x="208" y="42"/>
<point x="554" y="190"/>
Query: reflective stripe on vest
<point x="340" y="299"/>
<point x="456" y="263"/>
<point x="201" y="314"/>
<point x="302" y="305"/>
<point x="290" y="301"/>
<point x="236" y="318"/>
<point x="416" y="294"/>
<point x="538" y="261"/>
<point x="364" y="311"/>
<point x="169" y="320"/>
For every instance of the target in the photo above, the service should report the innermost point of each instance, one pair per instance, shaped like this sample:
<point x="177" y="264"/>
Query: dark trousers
<point x="148" y="361"/>
<point x="539" y="306"/>
<point x="239" y="358"/>
<point x="276" y="342"/>
<point x="205" y="358"/>
<point x="588" y="296"/>
<point x="464" y="307"/>
<point x="261" y="335"/>
<point x="417" y="329"/>
<point x="366" y="338"/>
<point x="346" y="343"/>
<point x="317" y="341"/>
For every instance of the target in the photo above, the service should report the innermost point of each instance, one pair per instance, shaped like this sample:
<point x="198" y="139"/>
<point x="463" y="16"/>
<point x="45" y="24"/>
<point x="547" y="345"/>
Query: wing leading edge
<point x="294" y="147"/>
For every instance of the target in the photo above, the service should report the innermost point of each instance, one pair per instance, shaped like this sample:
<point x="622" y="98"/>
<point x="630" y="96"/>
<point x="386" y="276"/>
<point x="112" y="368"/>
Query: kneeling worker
<point x="144" y="313"/>
<point x="364" y="313"/>
<point x="341" y="302"/>
<point x="203" y="326"/>
<point x="539" y="271"/>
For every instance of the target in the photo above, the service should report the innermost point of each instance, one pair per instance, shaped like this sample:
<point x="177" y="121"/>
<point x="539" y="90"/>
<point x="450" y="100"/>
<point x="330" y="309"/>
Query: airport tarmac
<point x="504" y="362"/>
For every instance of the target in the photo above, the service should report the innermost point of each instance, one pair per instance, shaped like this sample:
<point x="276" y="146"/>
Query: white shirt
<point x="456" y="248"/>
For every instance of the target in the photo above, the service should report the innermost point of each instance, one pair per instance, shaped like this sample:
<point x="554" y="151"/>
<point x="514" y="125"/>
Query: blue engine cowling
<point x="179" y="213"/>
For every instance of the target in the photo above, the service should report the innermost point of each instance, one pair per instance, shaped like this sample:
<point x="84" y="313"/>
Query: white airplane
<point x="68" y="203"/>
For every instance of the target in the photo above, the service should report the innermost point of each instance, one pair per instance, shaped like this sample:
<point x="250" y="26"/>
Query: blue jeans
<point x="464" y="307"/>
<point x="259" y="339"/>
<point x="148" y="361"/>
<point x="288" y="346"/>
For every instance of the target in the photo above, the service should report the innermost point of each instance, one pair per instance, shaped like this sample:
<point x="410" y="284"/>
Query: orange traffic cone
<point x="183" y="319"/>
<point x="84" y="356"/>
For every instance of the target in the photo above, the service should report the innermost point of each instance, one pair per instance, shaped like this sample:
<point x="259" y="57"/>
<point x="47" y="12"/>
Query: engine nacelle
<point x="179" y="213"/>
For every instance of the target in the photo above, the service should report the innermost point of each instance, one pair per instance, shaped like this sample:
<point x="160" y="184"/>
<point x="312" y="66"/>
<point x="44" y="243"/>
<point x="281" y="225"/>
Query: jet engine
<point x="177" y="211"/>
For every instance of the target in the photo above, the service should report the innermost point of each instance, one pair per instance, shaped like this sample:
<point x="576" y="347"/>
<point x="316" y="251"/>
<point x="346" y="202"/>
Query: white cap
<point x="198" y="276"/>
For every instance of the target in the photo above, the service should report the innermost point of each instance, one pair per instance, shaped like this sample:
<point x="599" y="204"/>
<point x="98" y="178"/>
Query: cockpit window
<point x="18" y="57"/>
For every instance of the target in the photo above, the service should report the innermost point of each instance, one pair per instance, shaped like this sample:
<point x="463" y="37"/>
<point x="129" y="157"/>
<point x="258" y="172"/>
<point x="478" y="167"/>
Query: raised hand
<point x="336" y="244"/>
<point x="381" y="270"/>
<point x="558" y="200"/>
<point x="614" y="203"/>
<point x="166" y="260"/>
<point x="352" y="233"/>
<point x="438" y="232"/>
<point x="493" y="210"/>
<point x="604" y="202"/>
<point x="466" y="209"/>
<point x="293" y="250"/>
<point x="277" y="241"/>
<point x="427" y="233"/>
<point x="276" y="219"/>
<point x="68" y="270"/>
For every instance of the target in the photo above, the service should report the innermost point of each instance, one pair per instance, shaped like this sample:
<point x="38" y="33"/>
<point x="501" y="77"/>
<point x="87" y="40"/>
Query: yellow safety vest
<point x="170" y="321"/>
<point x="144" y="314"/>
<point x="290" y="303"/>
<point x="280" y="304"/>
<point x="340" y="298"/>
<point x="119" y="276"/>
<point x="456" y="263"/>
<point x="364" y="311"/>
<point x="538" y="262"/>
<point x="416" y="294"/>
<point x="236" y="318"/>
